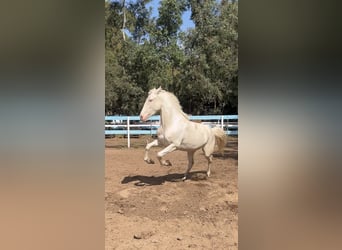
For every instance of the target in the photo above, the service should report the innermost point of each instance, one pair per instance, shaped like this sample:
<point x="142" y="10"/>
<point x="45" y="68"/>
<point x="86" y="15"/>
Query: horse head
<point x="152" y="104"/>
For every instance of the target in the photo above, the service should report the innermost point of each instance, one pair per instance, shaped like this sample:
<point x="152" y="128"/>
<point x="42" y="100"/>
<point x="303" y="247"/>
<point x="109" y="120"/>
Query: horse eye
<point x="150" y="100"/>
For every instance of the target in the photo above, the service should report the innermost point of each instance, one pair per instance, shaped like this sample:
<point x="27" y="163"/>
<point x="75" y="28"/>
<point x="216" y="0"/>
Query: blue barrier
<point x="157" y="117"/>
<point x="131" y="125"/>
<point x="131" y="132"/>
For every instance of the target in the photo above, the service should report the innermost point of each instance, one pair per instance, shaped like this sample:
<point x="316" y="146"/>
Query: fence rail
<point x="131" y="125"/>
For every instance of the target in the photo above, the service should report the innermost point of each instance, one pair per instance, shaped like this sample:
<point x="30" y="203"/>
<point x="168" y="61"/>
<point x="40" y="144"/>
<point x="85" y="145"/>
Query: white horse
<point x="178" y="132"/>
<point x="160" y="141"/>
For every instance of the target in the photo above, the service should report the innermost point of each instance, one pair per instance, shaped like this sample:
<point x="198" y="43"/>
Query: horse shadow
<point x="142" y="180"/>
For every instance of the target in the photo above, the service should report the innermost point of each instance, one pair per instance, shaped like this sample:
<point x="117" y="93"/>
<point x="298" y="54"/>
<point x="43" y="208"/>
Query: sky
<point x="187" y="23"/>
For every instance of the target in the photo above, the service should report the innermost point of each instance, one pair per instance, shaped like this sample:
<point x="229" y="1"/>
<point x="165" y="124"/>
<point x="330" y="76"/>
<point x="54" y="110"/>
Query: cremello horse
<point x="178" y="132"/>
<point x="160" y="141"/>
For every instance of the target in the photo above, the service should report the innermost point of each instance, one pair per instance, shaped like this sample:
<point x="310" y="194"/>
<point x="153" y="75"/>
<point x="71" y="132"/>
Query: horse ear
<point x="159" y="89"/>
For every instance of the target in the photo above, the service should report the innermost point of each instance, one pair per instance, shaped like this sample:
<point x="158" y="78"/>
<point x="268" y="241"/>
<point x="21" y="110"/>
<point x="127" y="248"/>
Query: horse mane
<point x="175" y="102"/>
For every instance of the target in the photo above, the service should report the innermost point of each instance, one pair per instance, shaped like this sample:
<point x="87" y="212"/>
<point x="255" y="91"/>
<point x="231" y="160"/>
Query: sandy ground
<point x="149" y="207"/>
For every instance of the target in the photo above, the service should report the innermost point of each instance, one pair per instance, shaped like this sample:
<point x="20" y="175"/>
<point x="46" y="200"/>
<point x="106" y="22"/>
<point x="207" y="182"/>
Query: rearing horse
<point x="178" y="131"/>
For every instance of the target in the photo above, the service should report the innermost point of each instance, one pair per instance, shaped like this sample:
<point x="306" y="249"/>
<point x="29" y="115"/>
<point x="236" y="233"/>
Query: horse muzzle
<point x="143" y="117"/>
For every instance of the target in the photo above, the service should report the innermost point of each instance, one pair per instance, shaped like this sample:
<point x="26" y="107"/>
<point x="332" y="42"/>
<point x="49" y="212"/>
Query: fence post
<point x="222" y="121"/>
<point x="128" y="134"/>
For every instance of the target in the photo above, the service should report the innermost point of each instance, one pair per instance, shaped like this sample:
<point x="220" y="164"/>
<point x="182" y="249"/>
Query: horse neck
<point x="169" y="116"/>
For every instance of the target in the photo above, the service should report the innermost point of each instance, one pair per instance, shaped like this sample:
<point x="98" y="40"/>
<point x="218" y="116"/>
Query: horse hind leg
<point x="208" y="153"/>
<point x="190" y="164"/>
<point x="210" y="160"/>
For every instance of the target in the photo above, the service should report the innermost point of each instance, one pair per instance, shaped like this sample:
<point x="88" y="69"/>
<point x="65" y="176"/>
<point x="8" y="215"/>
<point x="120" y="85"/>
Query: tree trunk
<point x="124" y="20"/>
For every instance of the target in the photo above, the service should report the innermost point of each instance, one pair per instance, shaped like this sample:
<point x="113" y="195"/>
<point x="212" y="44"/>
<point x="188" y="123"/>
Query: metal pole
<point x="222" y="121"/>
<point x="128" y="134"/>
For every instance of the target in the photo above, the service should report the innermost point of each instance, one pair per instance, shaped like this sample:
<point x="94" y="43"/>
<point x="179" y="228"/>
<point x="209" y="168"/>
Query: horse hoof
<point x="166" y="163"/>
<point x="149" y="161"/>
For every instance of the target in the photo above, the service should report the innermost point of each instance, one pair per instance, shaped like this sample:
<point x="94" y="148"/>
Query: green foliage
<point x="170" y="18"/>
<point x="200" y="65"/>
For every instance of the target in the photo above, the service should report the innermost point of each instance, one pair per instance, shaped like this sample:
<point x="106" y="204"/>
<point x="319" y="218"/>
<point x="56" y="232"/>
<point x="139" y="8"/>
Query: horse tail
<point x="221" y="138"/>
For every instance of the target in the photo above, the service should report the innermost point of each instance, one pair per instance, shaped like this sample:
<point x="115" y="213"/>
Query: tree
<point x="200" y="65"/>
<point x="165" y="37"/>
<point x="211" y="65"/>
<point x="123" y="96"/>
<point x="140" y="22"/>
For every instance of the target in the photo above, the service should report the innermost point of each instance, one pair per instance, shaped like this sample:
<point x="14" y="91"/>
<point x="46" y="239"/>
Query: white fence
<point x="131" y="125"/>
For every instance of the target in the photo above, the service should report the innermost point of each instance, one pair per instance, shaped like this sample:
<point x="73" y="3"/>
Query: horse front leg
<point x="147" y="149"/>
<point x="165" y="151"/>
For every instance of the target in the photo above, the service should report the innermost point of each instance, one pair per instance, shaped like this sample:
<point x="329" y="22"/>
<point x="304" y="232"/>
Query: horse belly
<point x="194" y="144"/>
<point x="191" y="137"/>
<point x="193" y="141"/>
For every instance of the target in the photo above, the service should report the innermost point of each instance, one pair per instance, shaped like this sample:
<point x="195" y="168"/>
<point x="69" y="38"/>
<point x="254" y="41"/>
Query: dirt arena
<point x="149" y="207"/>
